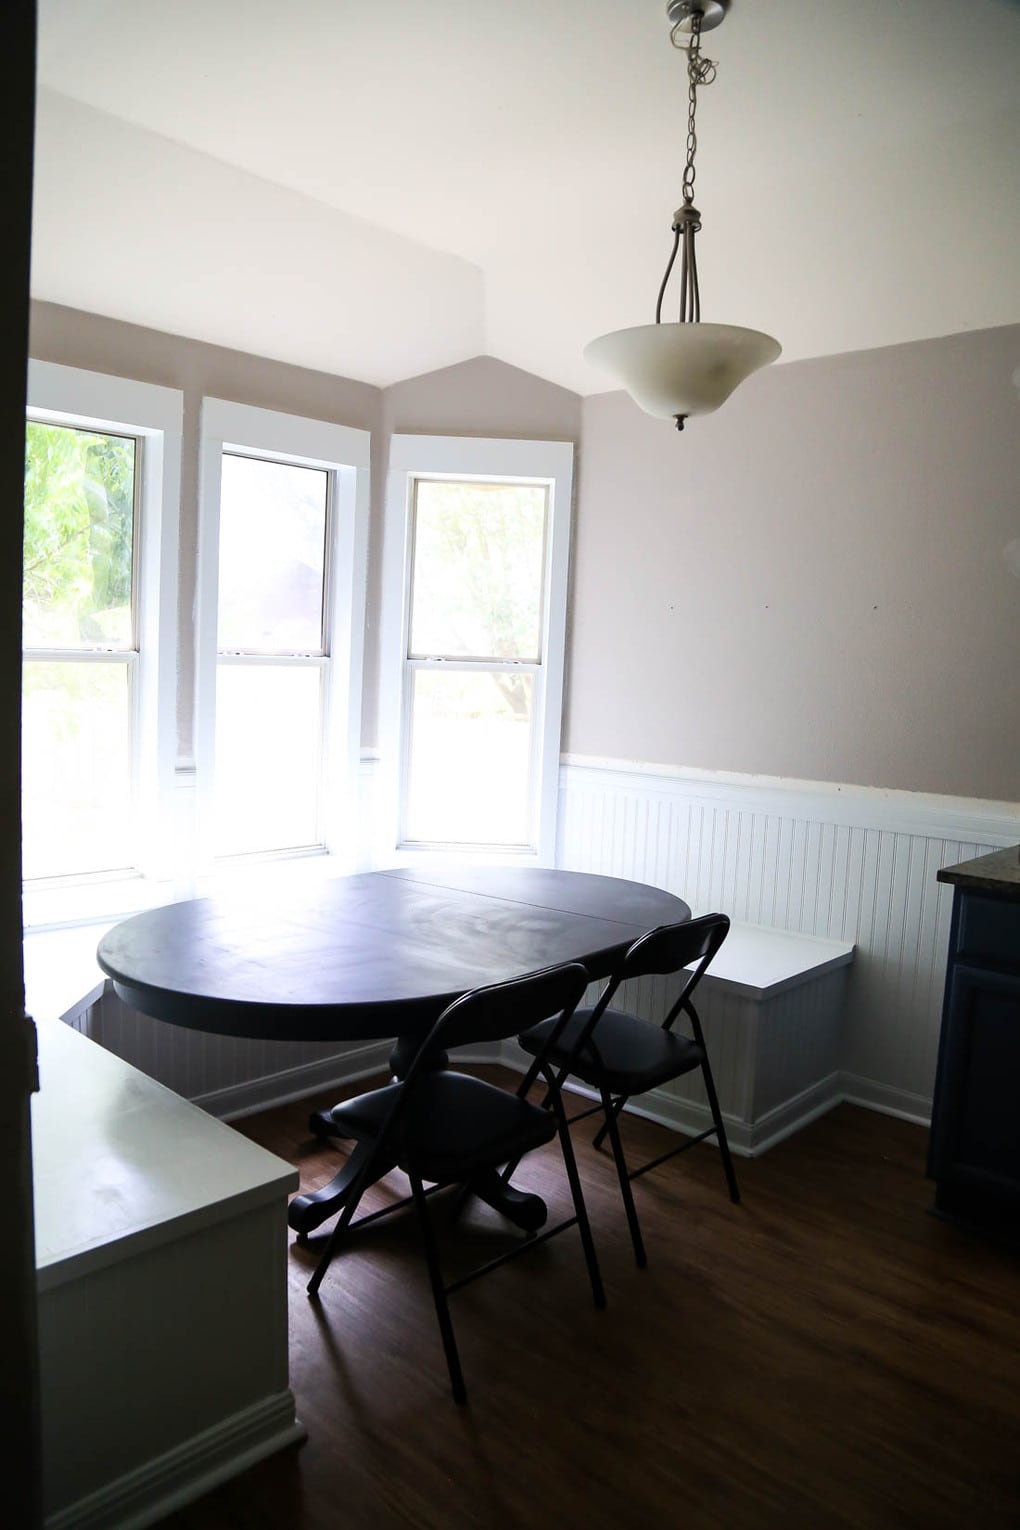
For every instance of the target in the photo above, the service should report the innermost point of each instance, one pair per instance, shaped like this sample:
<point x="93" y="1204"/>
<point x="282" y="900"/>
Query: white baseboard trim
<point x="345" y="1068"/>
<point x="746" y="1139"/>
<point x="751" y="1139"/>
<point x="151" y="1492"/>
<point x="272" y="1089"/>
<point x="690" y="1118"/>
<point x="664" y="1109"/>
<point x="888" y="1101"/>
<point x="794" y="1114"/>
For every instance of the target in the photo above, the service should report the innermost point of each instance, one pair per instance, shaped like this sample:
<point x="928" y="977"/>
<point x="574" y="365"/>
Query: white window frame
<point x="345" y="453"/>
<point x="475" y="460"/>
<point x="103" y="403"/>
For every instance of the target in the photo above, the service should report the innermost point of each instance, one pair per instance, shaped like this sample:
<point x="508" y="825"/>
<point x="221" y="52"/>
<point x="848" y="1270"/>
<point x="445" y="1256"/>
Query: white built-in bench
<point x="161" y="1243"/>
<point x="772" y="1006"/>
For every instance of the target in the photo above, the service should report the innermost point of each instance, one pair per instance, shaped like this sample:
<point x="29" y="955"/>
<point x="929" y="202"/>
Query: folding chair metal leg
<point x="528" y="1079"/>
<point x="580" y="1209"/>
<point x="622" y="1175"/>
<point x="458" y="1203"/>
<point x="438" y="1290"/>
<point x="600" y="1135"/>
<point x="551" y="1093"/>
<point x="350" y="1206"/>
<point x="724" y="1147"/>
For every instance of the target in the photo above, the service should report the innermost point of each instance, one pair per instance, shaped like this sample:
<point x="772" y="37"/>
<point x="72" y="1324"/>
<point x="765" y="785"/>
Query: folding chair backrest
<point x="504" y="1010"/>
<point x="673" y="946"/>
<point x="667" y="949"/>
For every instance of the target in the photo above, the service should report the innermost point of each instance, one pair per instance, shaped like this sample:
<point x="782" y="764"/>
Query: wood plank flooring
<point x="825" y="1354"/>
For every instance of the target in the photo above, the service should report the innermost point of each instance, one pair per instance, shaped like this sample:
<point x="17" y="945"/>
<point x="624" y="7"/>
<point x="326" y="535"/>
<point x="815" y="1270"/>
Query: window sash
<point x="528" y="842"/>
<point x="414" y="459"/>
<point x="48" y="417"/>
<point x="80" y="655"/>
<point x="416" y="480"/>
<point x="344" y="453"/>
<point x="326" y="586"/>
<point x="103" y="869"/>
<point x="152" y="416"/>
<point x="257" y="845"/>
<point x="275" y="658"/>
<point x="479" y="664"/>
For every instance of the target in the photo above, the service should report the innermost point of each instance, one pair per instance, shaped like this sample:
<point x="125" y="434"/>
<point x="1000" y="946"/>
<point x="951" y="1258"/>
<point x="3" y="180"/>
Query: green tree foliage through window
<point x="78" y="632"/>
<point x="79" y="523"/>
<point x="478" y="576"/>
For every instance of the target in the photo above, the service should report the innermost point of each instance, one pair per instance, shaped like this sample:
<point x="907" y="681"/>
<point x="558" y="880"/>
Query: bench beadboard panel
<point x="229" y="1076"/>
<point x="774" y="1053"/>
<point x="843" y="862"/>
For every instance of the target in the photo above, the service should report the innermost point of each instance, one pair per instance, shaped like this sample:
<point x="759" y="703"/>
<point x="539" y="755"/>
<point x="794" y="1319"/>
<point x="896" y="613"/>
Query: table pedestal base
<point x="307" y="1212"/>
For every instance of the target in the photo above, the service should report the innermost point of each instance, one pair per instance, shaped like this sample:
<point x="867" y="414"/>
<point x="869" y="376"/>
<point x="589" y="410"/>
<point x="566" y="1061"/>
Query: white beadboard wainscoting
<point x="227" y="1075"/>
<point x="774" y="1054"/>
<point x="845" y="863"/>
<point x="848" y="863"/>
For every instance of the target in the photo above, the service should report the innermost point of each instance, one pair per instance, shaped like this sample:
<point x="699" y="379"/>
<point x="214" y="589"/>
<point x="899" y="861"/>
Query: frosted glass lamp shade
<point x="674" y="370"/>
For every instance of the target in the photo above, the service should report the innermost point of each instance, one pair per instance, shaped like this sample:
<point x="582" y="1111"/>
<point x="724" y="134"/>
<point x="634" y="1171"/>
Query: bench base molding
<point x="149" y="1493"/>
<point x="751" y="1140"/>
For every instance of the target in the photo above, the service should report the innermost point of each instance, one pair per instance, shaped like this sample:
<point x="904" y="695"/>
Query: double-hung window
<point x="102" y="463"/>
<point x="280" y="632"/>
<point x="477" y="539"/>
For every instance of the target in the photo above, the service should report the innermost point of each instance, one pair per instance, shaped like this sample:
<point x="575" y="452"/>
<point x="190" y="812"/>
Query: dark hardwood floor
<point x="825" y="1354"/>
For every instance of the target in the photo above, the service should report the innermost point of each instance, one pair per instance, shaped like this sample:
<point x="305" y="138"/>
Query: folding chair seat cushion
<point x="633" y="1055"/>
<point x="454" y="1125"/>
<point x="625" y="1055"/>
<point x="450" y="1128"/>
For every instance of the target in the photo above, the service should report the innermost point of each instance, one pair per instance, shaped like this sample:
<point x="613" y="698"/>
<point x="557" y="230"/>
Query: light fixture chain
<point x="693" y="59"/>
<point x="700" y="71"/>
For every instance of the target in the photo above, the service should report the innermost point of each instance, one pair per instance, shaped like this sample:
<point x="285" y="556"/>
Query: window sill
<point x="275" y="873"/>
<point x="110" y="899"/>
<point x="64" y="925"/>
<point x="461" y="855"/>
<point x="88" y="902"/>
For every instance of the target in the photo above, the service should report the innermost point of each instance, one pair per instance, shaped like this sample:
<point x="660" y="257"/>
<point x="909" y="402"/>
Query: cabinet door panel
<point x="976" y="1130"/>
<point x="989" y="931"/>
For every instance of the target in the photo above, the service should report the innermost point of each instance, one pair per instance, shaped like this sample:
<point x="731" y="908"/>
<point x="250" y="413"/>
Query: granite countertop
<point x="996" y="873"/>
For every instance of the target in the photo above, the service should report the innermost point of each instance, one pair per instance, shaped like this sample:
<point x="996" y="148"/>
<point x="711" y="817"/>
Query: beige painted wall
<point x="812" y="582"/>
<point x="482" y="397"/>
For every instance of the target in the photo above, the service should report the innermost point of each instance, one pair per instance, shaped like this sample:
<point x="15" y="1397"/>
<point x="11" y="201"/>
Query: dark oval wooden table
<point x="370" y="956"/>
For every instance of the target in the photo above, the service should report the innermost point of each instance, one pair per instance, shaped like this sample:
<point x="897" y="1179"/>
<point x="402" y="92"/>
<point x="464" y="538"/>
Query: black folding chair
<point x="443" y="1128"/>
<point x="621" y="1055"/>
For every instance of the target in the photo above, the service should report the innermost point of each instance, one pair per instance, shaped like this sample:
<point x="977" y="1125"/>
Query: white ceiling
<point x="379" y="189"/>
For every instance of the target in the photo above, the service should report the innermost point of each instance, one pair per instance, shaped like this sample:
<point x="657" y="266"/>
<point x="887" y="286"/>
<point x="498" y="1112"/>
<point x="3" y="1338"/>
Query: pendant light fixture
<point x="673" y="370"/>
